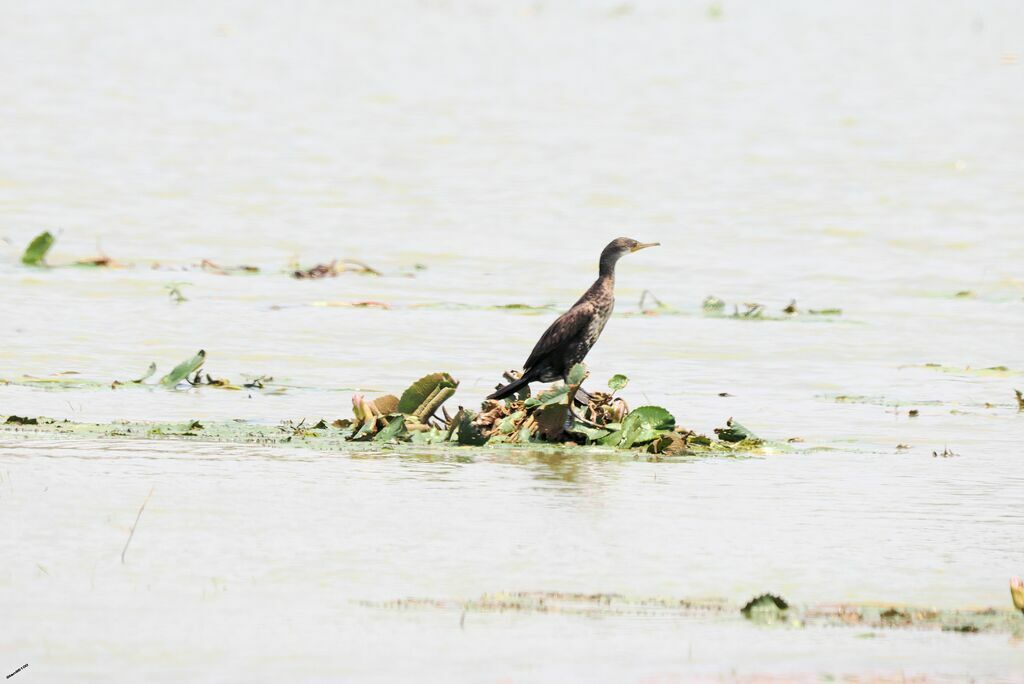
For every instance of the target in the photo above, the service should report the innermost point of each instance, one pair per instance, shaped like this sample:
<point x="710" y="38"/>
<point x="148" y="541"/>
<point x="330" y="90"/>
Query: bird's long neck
<point x="606" y="270"/>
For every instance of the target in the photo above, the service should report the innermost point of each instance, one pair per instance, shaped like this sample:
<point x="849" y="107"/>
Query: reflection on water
<point x="848" y="155"/>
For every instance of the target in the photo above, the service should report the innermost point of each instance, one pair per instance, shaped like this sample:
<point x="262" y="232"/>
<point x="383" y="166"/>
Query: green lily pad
<point x="618" y="382"/>
<point x="37" y="249"/>
<point x="184" y="369"/>
<point x="644" y="424"/>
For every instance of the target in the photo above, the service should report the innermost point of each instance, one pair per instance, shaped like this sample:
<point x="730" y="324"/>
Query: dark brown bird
<point x="567" y="341"/>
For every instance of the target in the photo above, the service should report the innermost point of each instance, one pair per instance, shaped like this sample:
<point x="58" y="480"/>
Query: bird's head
<point x="619" y="247"/>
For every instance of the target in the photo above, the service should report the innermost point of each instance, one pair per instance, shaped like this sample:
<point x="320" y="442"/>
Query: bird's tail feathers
<point x="512" y="387"/>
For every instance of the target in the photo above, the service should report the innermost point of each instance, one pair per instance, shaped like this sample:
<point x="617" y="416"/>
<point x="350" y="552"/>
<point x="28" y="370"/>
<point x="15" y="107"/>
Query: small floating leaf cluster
<point x="35" y="255"/>
<point x="716" y="307"/>
<point x="563" y="415"/>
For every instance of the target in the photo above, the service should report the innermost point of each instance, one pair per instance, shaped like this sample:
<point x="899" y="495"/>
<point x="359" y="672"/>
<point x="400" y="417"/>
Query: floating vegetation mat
<point x="766" y="609"/>
<point x="565" y="416"/>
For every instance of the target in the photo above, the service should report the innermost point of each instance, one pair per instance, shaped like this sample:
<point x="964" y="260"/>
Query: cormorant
<point x="567" y="341"/>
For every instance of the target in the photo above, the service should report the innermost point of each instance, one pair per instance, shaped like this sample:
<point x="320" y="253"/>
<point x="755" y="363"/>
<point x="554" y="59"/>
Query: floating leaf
<point x="394" y="430"/>
<point x="37" y="249"/>
<point x="712" y="303"/>
<point x="766" y="608"/>
<point x="618" y="382"/>
<point x="592" y="434"/>
<point x="184" y="369"/>
<point x="148" y="374"/>
<point x="644" y="424"/>
<point x="426" y="395"/>
<point x="734" y="432"/>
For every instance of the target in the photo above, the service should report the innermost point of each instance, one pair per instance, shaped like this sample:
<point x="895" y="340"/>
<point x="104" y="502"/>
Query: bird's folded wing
<point x="566" y="327"/>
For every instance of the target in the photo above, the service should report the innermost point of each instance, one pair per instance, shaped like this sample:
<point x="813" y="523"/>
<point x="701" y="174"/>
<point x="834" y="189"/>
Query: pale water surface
<point x="859" y="155"/>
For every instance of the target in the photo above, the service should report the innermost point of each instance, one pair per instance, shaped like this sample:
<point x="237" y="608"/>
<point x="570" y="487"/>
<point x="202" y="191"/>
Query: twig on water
<point x="132" y="532"/>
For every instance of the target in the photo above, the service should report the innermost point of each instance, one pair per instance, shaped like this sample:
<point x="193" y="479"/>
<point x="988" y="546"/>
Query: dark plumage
<point x="567" y="341"/>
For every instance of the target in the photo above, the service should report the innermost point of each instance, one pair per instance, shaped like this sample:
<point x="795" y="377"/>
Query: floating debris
<point x="258" y="382"/>
<point x="713" y="306"/>
<point x="334" y="269"/>
<point x="945" y="453"/>
<point x="894" y="617"/>
<point x="352" y="305"/>
<point x="210" y="267"/>
<point x="1020" y="399"/>
<point x="318" y="271"/>
<point x="659" y="306"/>
<point x="175" y="293"/>
<point x="102" y="261"/>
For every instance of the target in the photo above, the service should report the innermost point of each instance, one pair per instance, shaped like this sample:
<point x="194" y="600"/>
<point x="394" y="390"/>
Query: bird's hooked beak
<point x="645" y="245"/>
